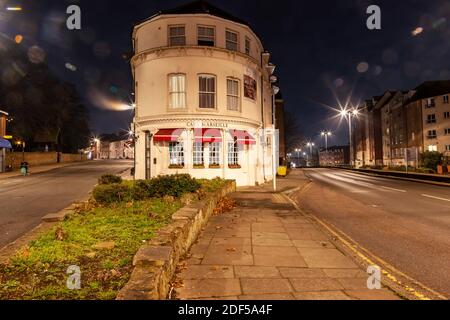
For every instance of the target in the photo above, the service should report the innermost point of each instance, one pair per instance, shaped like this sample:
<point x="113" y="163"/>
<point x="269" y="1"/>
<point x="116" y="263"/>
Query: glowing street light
<point x="326" y="134"/>
<point x="14" y="8"/>
<point x="348" y="115"/>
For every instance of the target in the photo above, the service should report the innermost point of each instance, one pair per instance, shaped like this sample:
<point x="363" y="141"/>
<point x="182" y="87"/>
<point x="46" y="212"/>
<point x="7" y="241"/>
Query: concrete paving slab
<point x="265" y="286"/>
<point x="326" y="259"/>
<point x="280" y="261"/>
<point x="321" y="296"/>
<point x="207" y="272"/>
<point x="302" y="273"/>
<point x="268" y="297"/>
<point x="204" y="288"/>
<point x="250" y="272"/>
<point x="320" y="284"/>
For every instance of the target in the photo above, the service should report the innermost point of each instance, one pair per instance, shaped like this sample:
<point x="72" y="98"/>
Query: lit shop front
<point x="225" y="151"/>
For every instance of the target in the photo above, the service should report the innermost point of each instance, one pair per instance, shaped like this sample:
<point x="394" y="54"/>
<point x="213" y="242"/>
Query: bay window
<point x="177" y="36"/>
<point x="197" y="155"/>
<point x="214" y="154"/>
<point x="177" y="91"/>
<point x="233" y="94"/>
<point x="207" y="92"/>
<point x="233" y="154"/>
<point x="176" y="154"/>
<point x="232" y="42"/>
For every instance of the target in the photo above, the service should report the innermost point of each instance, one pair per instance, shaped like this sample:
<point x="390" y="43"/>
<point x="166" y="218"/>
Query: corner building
<point x="203" y="97"/>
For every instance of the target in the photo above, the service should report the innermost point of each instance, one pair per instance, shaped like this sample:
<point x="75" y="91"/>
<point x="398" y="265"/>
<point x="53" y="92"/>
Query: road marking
<point x="437" y="198"/>
<point x="367" y="256"/>
<point x="393" y="189"/>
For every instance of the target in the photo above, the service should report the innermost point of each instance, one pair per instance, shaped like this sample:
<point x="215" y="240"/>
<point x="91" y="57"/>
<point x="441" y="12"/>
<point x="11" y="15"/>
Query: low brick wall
<point x="41" y="158"/>
<point x="156" y="262"/>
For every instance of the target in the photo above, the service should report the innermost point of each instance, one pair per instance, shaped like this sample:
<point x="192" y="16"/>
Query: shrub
<point x="109" y="179"/>
<point x="112" y="193"/>
<point x="431" y="160"/>
<point x="173" y="185"/>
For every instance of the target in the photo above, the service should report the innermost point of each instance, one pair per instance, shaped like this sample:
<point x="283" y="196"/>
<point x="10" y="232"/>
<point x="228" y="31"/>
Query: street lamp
<point x="310" y="145"/>
<point x="326" y="134"/>
<point x="275" y="91"/>
<point x="348" y="115"/>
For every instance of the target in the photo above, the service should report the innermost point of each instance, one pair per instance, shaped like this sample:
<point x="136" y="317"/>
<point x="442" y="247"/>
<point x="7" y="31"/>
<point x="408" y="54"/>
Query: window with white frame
<point x="431" y="118"/>
<point x="177" y="36"/>
<point x="447" y="147"/>
<point x="248" y="44"/>
<point x="214" y="154"/>
<point x="432" y="134"/>
<point x="207" y="91"/>
<point x="232" y="40"/>
<point x="197" y="154"/>
<point x="446" y="115"/>
<point x="177" y="91"/>
<point x="206" y="36"/>
<point x="447" y="131"/>
<point x="233" y="153"/>
<point x="233" y="94"/>
<point x="446" y="98"/>
<point x="430" y="103"/>
<point x="176" y="153"/>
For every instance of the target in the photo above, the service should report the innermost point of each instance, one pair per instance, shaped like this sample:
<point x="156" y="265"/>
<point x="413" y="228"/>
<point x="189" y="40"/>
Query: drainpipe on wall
<point x="262" y="117"/>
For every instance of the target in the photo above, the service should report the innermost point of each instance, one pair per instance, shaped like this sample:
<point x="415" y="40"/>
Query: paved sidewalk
<point x="266" y="250"/>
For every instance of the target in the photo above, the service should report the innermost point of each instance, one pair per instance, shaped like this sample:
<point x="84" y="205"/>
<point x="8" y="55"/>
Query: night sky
<point x="318" y="47"/>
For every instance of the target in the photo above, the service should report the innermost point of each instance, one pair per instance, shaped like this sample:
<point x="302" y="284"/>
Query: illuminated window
<point x="430" y="103"/>
<point x="176" y="153"/>
<point x="233" y="94"/>
<point x="233" y="153"/>
<point x="214" y="154"/>
<point x="198" y="150"/>
<point x="207" y="92"/>
<point x="232" y="42"/>
<point x="177" y="36"/>
<point x="206" y="36"/>
<point x="432" y="148"/>
<point x="177" y="91"/>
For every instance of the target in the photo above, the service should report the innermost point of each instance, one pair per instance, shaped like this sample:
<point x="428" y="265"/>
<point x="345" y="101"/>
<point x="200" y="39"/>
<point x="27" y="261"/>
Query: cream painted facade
<point x="156" y="61"/>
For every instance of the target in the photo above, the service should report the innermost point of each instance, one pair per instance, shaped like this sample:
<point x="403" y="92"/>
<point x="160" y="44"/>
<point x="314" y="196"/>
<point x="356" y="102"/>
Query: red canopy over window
<point x="207" y="135"/>
<point x="168" y="135"/>
<point x="243" y="137"/>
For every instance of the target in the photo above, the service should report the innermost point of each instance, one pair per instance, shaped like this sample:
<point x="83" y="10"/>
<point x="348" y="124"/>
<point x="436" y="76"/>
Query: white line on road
<point x="393" y="189"/>
<point x="437" y="198"/>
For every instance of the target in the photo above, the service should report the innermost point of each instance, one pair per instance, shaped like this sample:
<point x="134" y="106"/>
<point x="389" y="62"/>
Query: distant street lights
<point x="326" y="134"/>
<point x="310" y="145"/>
<point x="348" y="115"/>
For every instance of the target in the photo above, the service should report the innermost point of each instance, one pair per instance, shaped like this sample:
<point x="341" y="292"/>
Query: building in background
<point x="433" y="97"/>
<point x="115" y="147"/>
<point x="4" y="143"/>
<point x="334" y="156"/>
<point x="394" y="129"/>
<point x="203" y="95"/>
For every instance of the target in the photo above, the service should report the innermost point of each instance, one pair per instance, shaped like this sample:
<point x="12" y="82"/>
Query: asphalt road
<point x="405" y="223"/>
<point x="25" y="200"/>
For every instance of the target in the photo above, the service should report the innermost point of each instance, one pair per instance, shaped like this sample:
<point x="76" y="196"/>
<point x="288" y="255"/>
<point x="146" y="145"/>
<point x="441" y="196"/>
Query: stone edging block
<point x="155" y="263"/>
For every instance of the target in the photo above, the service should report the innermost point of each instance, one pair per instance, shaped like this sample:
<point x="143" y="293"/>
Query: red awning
<point x="168" y="135"/>
<point x="207" y="135"/>
<point x="243" y="137"/>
